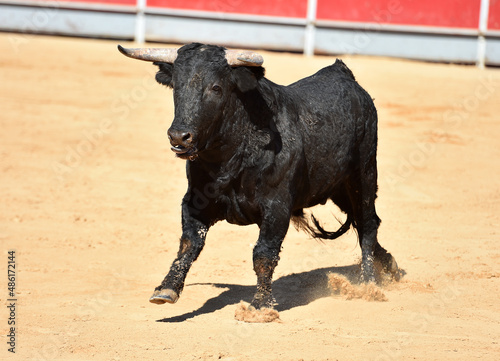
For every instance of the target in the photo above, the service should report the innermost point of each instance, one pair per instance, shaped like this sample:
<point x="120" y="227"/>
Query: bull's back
<point x="335" y="117"/>
<point x="332" y="91"/>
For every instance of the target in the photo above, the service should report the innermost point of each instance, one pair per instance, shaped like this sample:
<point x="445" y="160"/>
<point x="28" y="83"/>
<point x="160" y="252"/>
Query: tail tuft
<point x="316" y="230"/>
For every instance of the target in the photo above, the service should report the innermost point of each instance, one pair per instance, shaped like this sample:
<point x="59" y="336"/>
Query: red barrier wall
<point x="436" y="13"/>
<point x="494" y="18"/>
<point x="444" y="13"/>
<point x="105" y="2"/>
<point x="285" y="8"/>
<point x="443" y="30"/>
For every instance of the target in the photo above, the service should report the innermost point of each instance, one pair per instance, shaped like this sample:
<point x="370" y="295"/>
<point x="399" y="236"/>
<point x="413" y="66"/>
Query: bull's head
<point x="207" y="81"/>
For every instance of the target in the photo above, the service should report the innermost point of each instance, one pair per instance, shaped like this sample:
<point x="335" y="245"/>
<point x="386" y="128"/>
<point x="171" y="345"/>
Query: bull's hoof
<point x="261" y="301"/>
<point x="393" y="269"/>
<point x="247" y="313"/>
<point x="164" y="296"/>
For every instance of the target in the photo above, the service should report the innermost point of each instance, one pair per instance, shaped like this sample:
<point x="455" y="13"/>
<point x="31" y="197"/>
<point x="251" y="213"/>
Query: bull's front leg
<point x="192" y="241"/>
<point x="266" y="255"/>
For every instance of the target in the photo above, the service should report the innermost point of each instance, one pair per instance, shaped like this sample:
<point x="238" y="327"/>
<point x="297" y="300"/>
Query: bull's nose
<point x="180" y="138"/>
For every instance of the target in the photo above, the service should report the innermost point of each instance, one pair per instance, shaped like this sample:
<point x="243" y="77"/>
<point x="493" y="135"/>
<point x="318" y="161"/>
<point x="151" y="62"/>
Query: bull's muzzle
<point x="182" y="144"/>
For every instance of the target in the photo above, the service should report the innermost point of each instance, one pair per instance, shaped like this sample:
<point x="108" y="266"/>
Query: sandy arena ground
<point x="91" y="193"/>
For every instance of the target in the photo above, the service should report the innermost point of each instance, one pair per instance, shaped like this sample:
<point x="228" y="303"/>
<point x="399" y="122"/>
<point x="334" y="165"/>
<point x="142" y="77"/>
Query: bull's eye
<point x="216" y="89"/>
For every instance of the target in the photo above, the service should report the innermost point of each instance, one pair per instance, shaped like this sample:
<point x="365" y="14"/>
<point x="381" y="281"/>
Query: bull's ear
<point x="164" y="74"/>
<point x="247" y="78"/>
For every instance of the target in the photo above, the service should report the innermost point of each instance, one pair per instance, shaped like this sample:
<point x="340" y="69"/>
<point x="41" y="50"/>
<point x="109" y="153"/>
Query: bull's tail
<point x="320" y="232"/>
<point x="316" y="230"/>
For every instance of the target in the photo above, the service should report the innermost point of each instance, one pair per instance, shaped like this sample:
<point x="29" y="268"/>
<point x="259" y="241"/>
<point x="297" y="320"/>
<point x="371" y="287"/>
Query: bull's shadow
<point x="297" y="289"/>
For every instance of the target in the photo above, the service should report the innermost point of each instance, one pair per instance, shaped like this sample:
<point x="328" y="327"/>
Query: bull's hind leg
<point x="362" y="189"/>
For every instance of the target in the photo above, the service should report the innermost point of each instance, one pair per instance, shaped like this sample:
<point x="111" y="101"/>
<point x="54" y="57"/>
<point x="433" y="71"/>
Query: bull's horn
<point x="166" y="55"/>
<point x="243" y="58"/>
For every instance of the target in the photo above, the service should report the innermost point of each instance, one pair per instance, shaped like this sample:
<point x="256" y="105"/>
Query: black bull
<point x="259" y="153"/>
